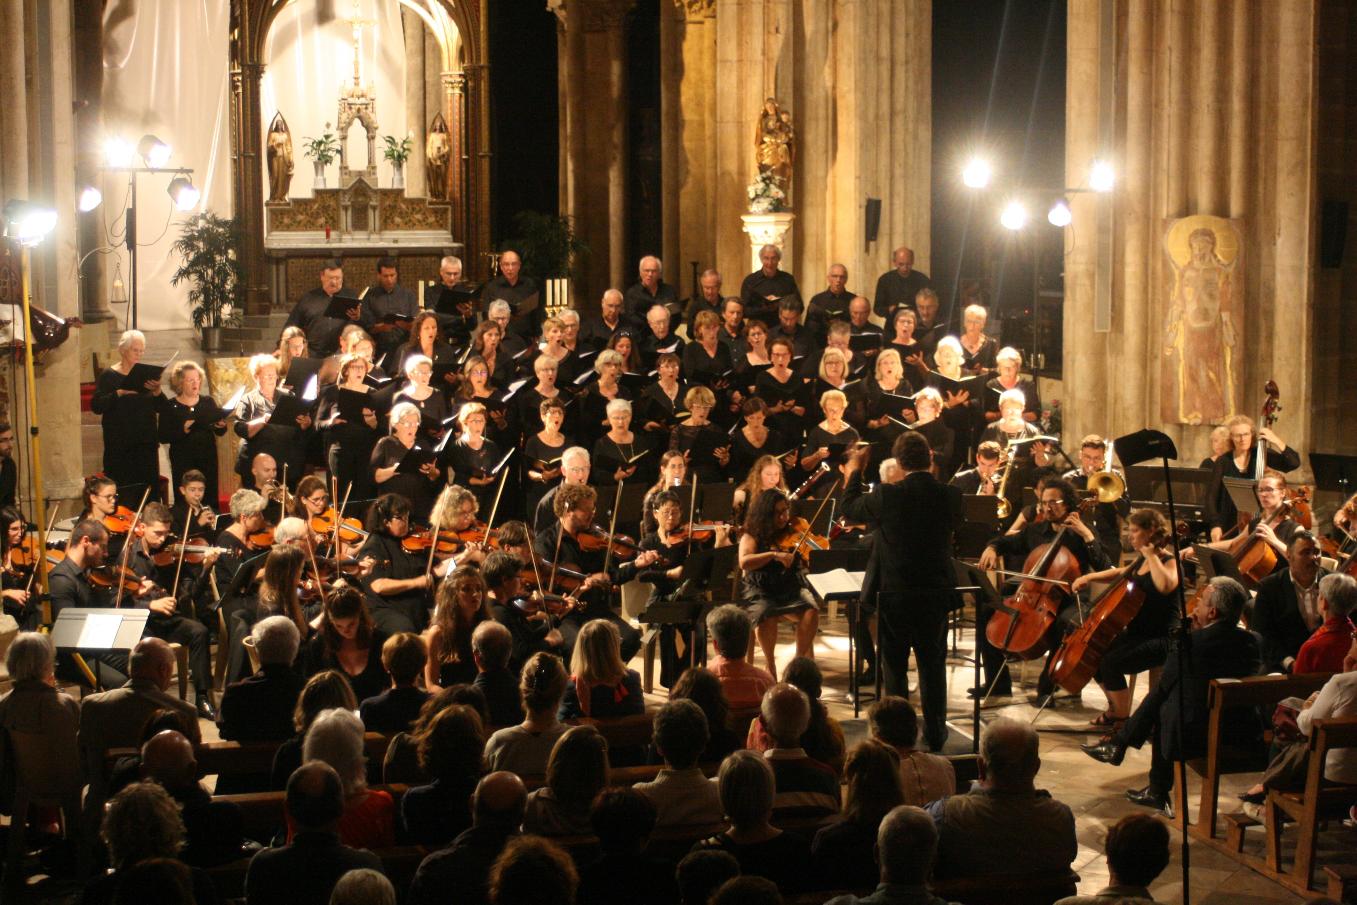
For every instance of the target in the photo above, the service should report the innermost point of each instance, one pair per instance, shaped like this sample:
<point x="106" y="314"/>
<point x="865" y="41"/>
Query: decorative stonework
<point x="393" y="212"/>
<point x="604" y="15"/>
<point x="697" y="9"/>
<point x="768" y="229"/>
<point x="397" y="212"/>
<point x="312" y="214"/>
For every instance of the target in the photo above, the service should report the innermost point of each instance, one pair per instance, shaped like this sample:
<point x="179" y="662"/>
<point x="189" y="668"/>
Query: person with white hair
<point x="978" y="350"/>
<point x="260" y="707"/>
<point x="1009" y="376"/>
<point x="418" y="486"/>
<point x="190" y="422"/>
<point x="595" y="332"/>
<point x="651" y="290"/>
<point x="128" y="415"/>
<point x="765" y="287"/>
<point x="420" y="392"/>
<point x="620" y="455"/>
<point x="575" y="469"/>
<point x="336" y="738"/>
<point x="255" y="426"/>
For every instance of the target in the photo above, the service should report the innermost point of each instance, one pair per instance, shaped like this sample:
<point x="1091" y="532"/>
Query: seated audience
<point x="1324" y="650"/>
<point x="823" y="738"/>
<point x="805" y="786"/>
<point x="576" y="772"/>
<point x="924" y="777"/>
<point x="745" y="683"/>
<point x="363" y="886"/>
<point x="763" y="850"/>
<point x="533" y="871"/>
<point x="305" y="871"/>
<point x="601" y="685"/>
<point x="491" y="646"/>
<point x="1285" y="611"/>
<point x="700" y="685"/>
<point x="1137" y="851"/>
<point x="747" y="891"/>
<point x="843" y="850"/>
<point x="623" y="873"/>
<point x="905" y="848"/>
<point x="215" y="829"/>
<point x="497" y="808"/>
<point x="323" y="691"/>
<point x="401" y="762"/>
<point x="142" y="823"/>
<point x="260" y="708"/>
<point x="700" y="873"/>
<point x="348" y="642"/>
<point x="369" y="819"/>
<point x="979" y="831"/>
<point x="450" y="751"/>
<point x="164" y="881"/>
<point x="681" y="795"/>
<point x="525" y="749"/>
<point x="396" y="709"/>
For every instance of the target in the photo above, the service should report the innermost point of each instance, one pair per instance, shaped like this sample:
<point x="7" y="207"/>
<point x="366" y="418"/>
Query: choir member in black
<point x="387" y="301"/>
<point x="171" y="617"/>
<point x="783" y="390"/>
<point x="930" y="327"/>
<point x="398" y="586"/>
<point x="733" y="325"/>
<point x="1105" y="517"/>
<point x="417" y="488"/>
<point x="651" y="291"/>
<point x="485" y="344"/>
<point x="901" y="337"/>
<point x="574" y="470"/>
<point x="771" y="588"/>
<point x="1220" y="445"/>
<point x="286" y="443"/>
<point x="859" y="314"/>
<point x="570" y="330"/>
<point x="983" y="479"/>
<point x="901" y="285"/>
<point x="530" y="399"/>
<point x="349" y="640"/>
<point x="766" y="473"/>
<point x="596" y="331"/>
<point x="15" y="577"/>
<point x="707" y="298"/>
<point x="1272" y="524"/>
<point x="131" y="444"/>
<point x="789" y="326"/>
<point x="751" y="353"/>
<point x="476" y="387"/>
<point x="1022" y="457"/>
<point x="322" y="331"/>
<point x="661" y="402"/>
<point x="570" y="363"/>
<point x="614" y="459"/>
<point x="574" y="509"/>
<point x="658" y="339"/>
<point x="1242" y="463"/>
<point x="511" y="344"/>
<point x="830" y="305"/>
<point x="362" y="345"/>
<point x="706" y="445"/>
<point x="291" y="344"/>
<point x="831" y="438"/>
<point x="1008" y="361"/>
<point x="349" y="444"/>
<point x="706" y="360"/>
<point x="460" y="605"/>
<point x="978" y="349"/>
<point x="624" y="344"/>
<point x="1144" y="643"/>
<point x="516" y="288"/>
<point x="190" y="423"/>
<point x="542" y="452"/>
<point x="930" y="421"/>
<point x="880" y="417"/>
<point x="472" y="456"/>
<point x="673" y="472"/>
<point x="840" y="338"/>
<point x="432" y="404"/>
<point x="670" y="540"/>
<point x="9" y="472"/>
<point x="453" y="296"/>
<point x="762" y="289"/>
<point x="532" y="627"/>
<point x="755" y="439"/>
<point x="962" y="410"/>
<point x="1059" y="506"/>
<point x="426" y="338"/>
<point x="594" y="403"/>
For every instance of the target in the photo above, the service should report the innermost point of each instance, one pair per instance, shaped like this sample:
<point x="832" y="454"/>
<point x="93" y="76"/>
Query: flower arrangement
<point x="322" y="150"/>
<point x="766" y="194"/>
<point x="397" y="151"/>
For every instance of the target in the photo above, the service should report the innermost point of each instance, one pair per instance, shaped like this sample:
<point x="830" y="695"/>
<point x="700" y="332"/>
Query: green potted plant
<point x="322" y="152"/>
<point x="548" y="244"/>
<point x="397" y="152"/>
<point x="210" y="248"/>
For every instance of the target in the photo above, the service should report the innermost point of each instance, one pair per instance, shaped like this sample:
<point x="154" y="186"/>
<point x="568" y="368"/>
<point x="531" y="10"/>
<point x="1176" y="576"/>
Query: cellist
<point x="1143" y="644"/>
<point x="1057" y="504"/>
<point x="1272" y="524"/>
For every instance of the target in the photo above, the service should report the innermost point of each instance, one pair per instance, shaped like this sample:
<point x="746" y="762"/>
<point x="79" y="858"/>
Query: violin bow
<point x="810" y="523"/>
<point x="127" y="546"/>
<point x="612" y="525"/>
<point x="320" y="584"/>
<point x="42" y="545"/>
<point x="560" y="530"/>
<point x="339" y="514"/>
<point x="494" y="507"/>
<point x="692" y="513"/>
<point x="436" y="527"/>
<point x="179" y="564"/>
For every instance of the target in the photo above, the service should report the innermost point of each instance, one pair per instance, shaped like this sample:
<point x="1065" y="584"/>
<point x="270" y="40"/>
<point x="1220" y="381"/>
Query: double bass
<point x="1020" y="625"/>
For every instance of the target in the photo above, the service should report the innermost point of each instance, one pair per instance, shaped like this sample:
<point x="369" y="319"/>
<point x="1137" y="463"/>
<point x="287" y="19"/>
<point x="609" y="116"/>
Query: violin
<point x="350" y="529"/>
<point x="1019" y="625"/>
<point x="420" y="540"/>
<point x="111" y="576"/>
<point x="699" y="532"/>
<point x="260" y="540"/>
<point x="799" y="539"/>
<point x="24" y="555"/>
<point x="567" y="577"/>
<point x="193" y="553"/>
<point x="594" y="539"/>
<point x="554" y="605"/>
<point x="120" y="522"/>
<point x="478" y="533"/>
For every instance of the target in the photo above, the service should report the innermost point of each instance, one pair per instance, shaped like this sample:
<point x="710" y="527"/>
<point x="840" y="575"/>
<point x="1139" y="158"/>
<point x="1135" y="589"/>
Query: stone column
<point x="454" y="111"/>
<point x="413" y="27"/>
<point x="688" y="106"/>
<point x="246" y="139"/>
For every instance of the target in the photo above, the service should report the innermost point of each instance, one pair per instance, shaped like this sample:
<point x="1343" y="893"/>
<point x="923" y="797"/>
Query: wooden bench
<point x="1320" y="801"/>
<point x="1008" y="889"/>
<point x="264" y="813"/>
<point x="245" y="758"/>
<point x="399" y="864"/>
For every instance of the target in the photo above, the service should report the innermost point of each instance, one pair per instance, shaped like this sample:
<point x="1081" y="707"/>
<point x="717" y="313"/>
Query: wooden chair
<point x="1320" y="801"/>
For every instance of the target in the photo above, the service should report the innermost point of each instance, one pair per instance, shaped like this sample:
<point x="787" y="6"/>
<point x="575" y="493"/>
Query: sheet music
<point x="99" y="630"/>
<point x="836" y="583"/>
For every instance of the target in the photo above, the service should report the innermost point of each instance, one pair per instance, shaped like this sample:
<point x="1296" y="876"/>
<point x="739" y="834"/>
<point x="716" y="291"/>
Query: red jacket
<point x="1325" y="649"/>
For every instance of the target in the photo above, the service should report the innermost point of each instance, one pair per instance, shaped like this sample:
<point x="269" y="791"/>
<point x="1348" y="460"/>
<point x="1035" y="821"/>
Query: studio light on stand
<point x="1059" y="215"/>
<point x="1013" y="216"/>
<point x="185" y="196"/>
<point x="1101" y="176"/>
<point x="154" y="152"/>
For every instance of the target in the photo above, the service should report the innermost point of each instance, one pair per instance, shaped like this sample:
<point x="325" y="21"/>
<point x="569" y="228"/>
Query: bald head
<point x="1009" y="754"/>
<point x="786" y="714"/>
<point x="168" y="759"/>
<point x="152" y="659"/>
<point x="500" y="799"/>
<point x="315" y="795"/>
<point x="903" y="259"/>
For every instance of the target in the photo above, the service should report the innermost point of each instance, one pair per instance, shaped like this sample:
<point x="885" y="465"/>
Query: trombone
<point x="1002" y="506"/>
<point x="1106" y="485"/>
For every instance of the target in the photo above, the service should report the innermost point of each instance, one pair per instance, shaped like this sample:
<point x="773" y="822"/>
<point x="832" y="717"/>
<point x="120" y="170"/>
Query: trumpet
<point x="1106" y="485"/>
<point x="1002" y="506"/>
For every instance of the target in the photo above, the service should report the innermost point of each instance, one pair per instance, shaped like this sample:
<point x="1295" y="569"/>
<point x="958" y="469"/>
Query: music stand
<point x="1242" y="493"/>
<point x="836" y="582"/>
<point x="979" y="525"/>
<point x="628" y="507"/>
<point x="1334" y="472"/>
<point x="714" y="502"/>
<point x="1148" y="483"/>
<point x="98" y="630"/>
<point x="1218" y="563"/>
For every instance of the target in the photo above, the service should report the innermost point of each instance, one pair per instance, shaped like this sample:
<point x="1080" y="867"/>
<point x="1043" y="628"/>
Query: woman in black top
<point x="476" y="387"/>
<point x="771" y="586"/>
<point x="398" y="584"/>
<point x="755" y="438"/>
<point x="1241" y="462"/>
<point x="832" y="438"/>
<point x="979" y="350"/>
<point x="612" y="460"/>
<point x="530" y="399"/>
<point x="426" y="338"/>
<point x="1009" y="377"/>
<point x="594" y="403"/>
<point x="191" y="422"/>
<point x="707" y="360"/>
<point x="460" y="605"/>
<point x="623" y="342"/>
<point x="472" y="456"/>
<point x="131" y="445"/>
<point x="783" y="390"/>
<point x="706" y="446"/>
<point x="417" y="487"/>
<point x="15" y="581"/>
<point x="285" y="442"/>
<point x="661" y="402"/>
<point x="349" y="443"/>
<point x="432" y="404"/>
<point x="485" y="344"/>
<point x="874" y="408"/>
<point x="542" y="452"/>
<point x="928" y="420"/>
<point x="350" y="643"/>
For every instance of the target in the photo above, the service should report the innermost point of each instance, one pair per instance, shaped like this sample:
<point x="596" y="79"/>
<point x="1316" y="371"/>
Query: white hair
<point x="129" y="337"/>
<point x="450" y="260"/>
<point x="607" y="357"/>
<point x="261" y="361"/>
<point x="415" y="361"/>
<point x="336" y="737"/>
<point x="400" y="410"/>
<point x="30" y="657"/>
<point x="773" y="248"/>
<point x="658" y="262"/>
<point x="617" y="405"/>
<point x="1008" y="353"/>
<point x="951" y="343"/>
<point x="246" y="502"/>
<point x="363" y="886"/>
<point x="568" y="314"/>
<point x="290" y="529"/>
<point x="498" y="307"/>
<point x="887" y="466"/>
<point x="1013" y="395"/>
<point x="976" y="309"/>
<point x="276" y="640"/>
<point x="574" y="453"/>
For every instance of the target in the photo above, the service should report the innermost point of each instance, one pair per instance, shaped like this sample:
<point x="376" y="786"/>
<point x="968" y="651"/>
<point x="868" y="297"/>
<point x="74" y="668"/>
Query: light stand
<point x="185" y="197"/>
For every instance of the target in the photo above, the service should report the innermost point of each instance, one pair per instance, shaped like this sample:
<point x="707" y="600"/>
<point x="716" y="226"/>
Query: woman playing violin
<point x="131" y="450"/>
<point x="348" y="445"/>
<point x="771" y="587"/>
<point x="14" y="579"/>
<point x="347" y="640"/>
<point x="100" y="495"/>
<point x="191" y="422"/>
<point x="459" y="606"/>
<point x="673" y="472"/>
<point x="398" y="581"/>
<point x="542" y="452"/>
<point x="472" y="455"/>
<point x="529" y="622"/>
<point x="416" y="487"/>
<point x="1143" y="644"/>
<point x="277" y="595"/>
<point x="458" y="527"/>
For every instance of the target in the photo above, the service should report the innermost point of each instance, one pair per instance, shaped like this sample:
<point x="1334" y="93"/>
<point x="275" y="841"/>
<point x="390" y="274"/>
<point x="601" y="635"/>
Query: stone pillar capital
<point x="694" y="10"/>
<point x="768" y="229"/>
<point x="592" y="15"/>
<point x="454" y="81"/>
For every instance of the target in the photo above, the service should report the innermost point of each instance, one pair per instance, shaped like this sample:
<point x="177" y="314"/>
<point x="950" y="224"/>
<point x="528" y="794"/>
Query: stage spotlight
<point x="154" y="151"/>
<point x="90" y="198"/>
<point x="28" y="223"/>
<point x="977" y="173"/>
<point x="1101" y="176"/>
<point x="1059" y="214"/>
<point x="1014" y="216"/>
<point x="184" y="194"/>
<point x="118" y="152"/>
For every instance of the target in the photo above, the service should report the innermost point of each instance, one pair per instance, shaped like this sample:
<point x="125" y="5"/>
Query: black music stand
<point x="714" y="501"/>
<point x="1334" y="472"/>
<point x="979" y="525"/>
<point x="837" y="575"/>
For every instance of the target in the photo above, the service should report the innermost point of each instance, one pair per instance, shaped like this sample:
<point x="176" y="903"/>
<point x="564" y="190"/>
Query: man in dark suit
<point x="322" y="331"/>
<point x="259" y="708"/>
<point x="910" y="571"/>
<point x="497" y="808"/>
<point x="1286" y="610"/>
<point x="1218" y="648"/>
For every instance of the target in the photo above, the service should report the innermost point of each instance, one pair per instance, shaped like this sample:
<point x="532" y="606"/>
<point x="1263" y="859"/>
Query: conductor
<point x="910" y="570"/>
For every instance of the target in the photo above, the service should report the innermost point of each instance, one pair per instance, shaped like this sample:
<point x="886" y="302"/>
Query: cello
<point x="1019" y="626"/>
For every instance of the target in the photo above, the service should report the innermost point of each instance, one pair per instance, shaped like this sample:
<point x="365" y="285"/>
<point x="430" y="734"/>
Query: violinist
<point x="243" y="540"/>
<point x="1144" y="643"/>
<point x="673" y="472"/>
<point x="399" y="585"/>
<point x="278" y="595"/>
<point x="529" y="623"/>
<point x="574" y="470"/>
<point x="15" y="579"/>
<point x="349" y="641"/>
<point x="100" y="494"/>
<point x="460" y="605"/>
<point x="417" y="487"/>
<point x="1273" y="524"/>
<point x="472" y="455"/>
<point x="1106" y="517"/>
<point x="432" y="404"/>
<point x="771" y="588"/>
<point x="612" y="460"/>
<point x="542" y="452"/>
<point x="348" y="444"/>
<point x="706" y="446"/>
<point x="131" y="449"/>
<point x="1242" y="462"/>
<point x="561" y="544"/>
<point x="70" y="586"/>
<point x="755" y="438"/>
<point x="191" y="422"/>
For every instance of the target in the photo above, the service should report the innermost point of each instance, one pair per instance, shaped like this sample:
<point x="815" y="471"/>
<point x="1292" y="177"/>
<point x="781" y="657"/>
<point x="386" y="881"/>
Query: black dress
<point x="131" y="441"/>
<point x="406" y="611"/>
<point x="198" y="448"/>
<point x="535" y="451"/>
<point x="415" y="486"/>
<point x="285" y="442"/>
<point x="593" y="407"/>
<point x="467" y="463"/>
<point x="700" y="443"/>
<point x="774" y="391"/>
<point x="743" y="452"/>
<point x="704" y="369"/>
<point x="432" y="412"/>
<point x="608" y="456"/>
<point x="369" y="683"/>
<point x="984" y="357"/>
<point x="839" y="444"/>
<point x="348" y="448"/>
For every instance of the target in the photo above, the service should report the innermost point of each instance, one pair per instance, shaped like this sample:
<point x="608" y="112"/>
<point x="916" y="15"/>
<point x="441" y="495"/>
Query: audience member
<point x="324" y="691"/>
<point x="700" y="685"/>
<point x="1324" y="650"/>
<point x="745" y="683"/>
<point x="576" y="772"/>
<point x="1137" y="851"/>
<point x="823" y="738"/>
<point x="369" y="819"/>
<point x="623" y="819"/>
<point x="601" y="685"/>
<point x="700" y="873"/>
<point x="681" y="795"/>
<point x="524" y="749"/>
<point x="140" y="823"/>
<point x="924" y="777"/>
<point x="805" y="786"/>
<point x="363" y="886"/>
<point x="497" y="808"/>
<point x="491" y="646"/>
<point x="906" y="845"/>
<point x="215" y="829"/>
<point x="401" y="762"/>
<point x="397" y="708"/>
<point x="533" y="871"/>
<point x="305" y="871"/>
<point x="978" y="831"/>
<point x="260" y="707"/>
<point x="450" y="751"/>
<point x="843" y="850"/>
<point x="746" y="786"/>
<point x="164" y="881"/>
<point x="747" y="891"/>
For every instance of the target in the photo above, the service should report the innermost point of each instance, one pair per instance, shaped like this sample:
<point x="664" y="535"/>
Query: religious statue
<point x="436" y="153"/>
<point x="1202" y="327"/>
<point x="280" y="158"/>
<point x="774" y="143"/>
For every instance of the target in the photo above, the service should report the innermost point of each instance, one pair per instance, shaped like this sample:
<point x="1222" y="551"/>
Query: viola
<point x="120" y="522"/>
<point x="799" y="539"/>
<point x="594" y="539"/>
<point x="1019" y="625"/>
<point x="350" y="529"/>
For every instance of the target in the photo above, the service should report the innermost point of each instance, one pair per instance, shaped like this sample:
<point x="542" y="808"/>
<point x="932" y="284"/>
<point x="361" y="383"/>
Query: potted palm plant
<point x="210" y="248"/>
<point x="322" y="151"/>
<point x="397" y="152"/>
